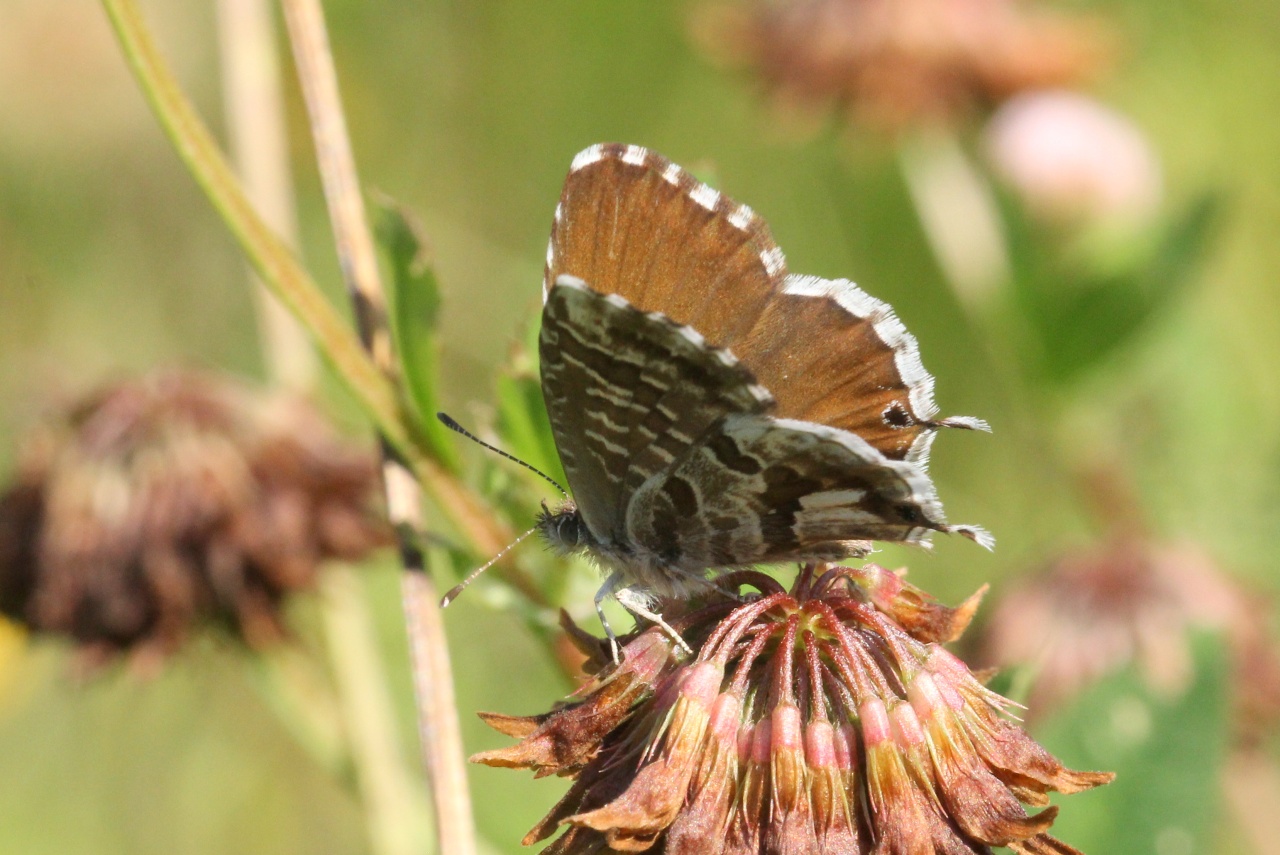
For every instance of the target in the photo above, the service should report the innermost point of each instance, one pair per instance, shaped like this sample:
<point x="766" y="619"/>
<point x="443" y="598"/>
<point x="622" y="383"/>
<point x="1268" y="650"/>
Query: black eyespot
<point x="909" y="513"/>
<point x="896" y="416"/>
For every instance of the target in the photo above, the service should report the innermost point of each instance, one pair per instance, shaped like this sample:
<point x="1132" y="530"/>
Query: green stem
<point x="273" y="261"/>
<point x="392" y="800"/>
<point x="286" y="278"/>
<point x="254" y="103"/>
<point x="957" y="212"/>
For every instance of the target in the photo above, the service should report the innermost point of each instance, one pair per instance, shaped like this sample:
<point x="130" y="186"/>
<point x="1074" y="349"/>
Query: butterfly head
<point x="564" y="528"/>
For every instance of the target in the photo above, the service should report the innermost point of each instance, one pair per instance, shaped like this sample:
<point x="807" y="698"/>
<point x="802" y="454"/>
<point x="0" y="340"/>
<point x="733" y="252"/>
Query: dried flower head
<point x="823" y="719"/>
<point x="1134" y="602"/>
<point x="894" y="63"/>
<point x="172" y="498"/>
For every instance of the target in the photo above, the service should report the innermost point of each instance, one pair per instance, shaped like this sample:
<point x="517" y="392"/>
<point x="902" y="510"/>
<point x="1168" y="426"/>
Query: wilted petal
<point x="595" y="785"/>
<point x="976" y="799"/>
<point x="566" y="739"/>
<point x="577" y="841"/>
<point x="827" y="755"/>
<point x="597" y="650"/>
<point x="1043" y="844"/>
<point x="900" y="811"/>
<point x="751" y="809"/>
<point x="518" y="726"/>
<point x="633" y="820"/>
<point x="712" y="789"/>
<point x="915" y="610"/>
<point x="1013" y="756"/>
<point x="791" y="826"/>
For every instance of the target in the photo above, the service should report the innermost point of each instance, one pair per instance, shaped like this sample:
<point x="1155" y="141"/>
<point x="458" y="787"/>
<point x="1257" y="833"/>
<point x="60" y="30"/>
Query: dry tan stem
<point x="1252" y="784"/>
<point x="389" y="795"/>
<point x="393" y="802"/>
<point x="279" y="269"/>
<point x="438" y="724"/>
<point x="274" y="262"/>
<point x="259" y="147"/>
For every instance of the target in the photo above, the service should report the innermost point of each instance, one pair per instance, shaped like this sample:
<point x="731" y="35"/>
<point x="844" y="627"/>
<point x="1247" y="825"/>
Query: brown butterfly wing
<point x="634" y="224"/>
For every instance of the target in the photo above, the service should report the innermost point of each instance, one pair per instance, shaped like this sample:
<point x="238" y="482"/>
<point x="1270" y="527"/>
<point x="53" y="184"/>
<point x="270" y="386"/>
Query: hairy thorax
<point x="567" y="533"/>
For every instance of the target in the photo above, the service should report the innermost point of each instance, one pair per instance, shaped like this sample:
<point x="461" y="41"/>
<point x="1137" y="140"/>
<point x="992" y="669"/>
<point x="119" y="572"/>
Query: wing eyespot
<point x="896" y="416"/>
<point x="910" y="513"/>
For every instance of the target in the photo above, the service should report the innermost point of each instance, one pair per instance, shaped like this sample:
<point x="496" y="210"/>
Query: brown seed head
<point x="178" y="497"/>
<point x="898" y="63"/>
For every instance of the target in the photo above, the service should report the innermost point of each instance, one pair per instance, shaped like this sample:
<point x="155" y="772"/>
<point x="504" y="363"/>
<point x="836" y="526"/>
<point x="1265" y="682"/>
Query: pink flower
<point x="1072" y="158"/>
<point x="1133" y="602"/>
<point x="808" y="720"/>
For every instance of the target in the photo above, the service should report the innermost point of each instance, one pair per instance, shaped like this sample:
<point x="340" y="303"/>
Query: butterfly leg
<point x="637" y="602"/>
<point x="607" y="590"/>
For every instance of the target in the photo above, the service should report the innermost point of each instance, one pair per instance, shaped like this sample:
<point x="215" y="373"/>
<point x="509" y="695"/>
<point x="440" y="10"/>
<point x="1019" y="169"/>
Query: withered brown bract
<point x="711" y="409"/>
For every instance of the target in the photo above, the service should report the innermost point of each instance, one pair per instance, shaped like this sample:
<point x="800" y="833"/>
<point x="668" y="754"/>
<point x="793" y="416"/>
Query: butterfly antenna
<point x="448" y="422"/>
<point x="458" y="588"/>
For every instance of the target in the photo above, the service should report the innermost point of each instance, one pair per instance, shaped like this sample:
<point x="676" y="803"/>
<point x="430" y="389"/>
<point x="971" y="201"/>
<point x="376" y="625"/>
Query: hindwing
<point x="758" y="489"/>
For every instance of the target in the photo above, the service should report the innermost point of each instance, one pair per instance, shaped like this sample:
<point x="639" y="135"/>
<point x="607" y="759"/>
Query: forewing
<point x="832" y="354"/>
<point x="628" y="393"/>
<point x="759" y="489"/>
<point x="632" y="223"/>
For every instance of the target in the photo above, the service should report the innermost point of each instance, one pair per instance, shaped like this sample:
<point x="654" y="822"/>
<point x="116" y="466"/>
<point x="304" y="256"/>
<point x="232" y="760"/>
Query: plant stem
<point x="280" y="272"/>
<point x="961" y="222"/>
<point x="259" y="146"/>
<point x="273" y="261"/>
<point x="433" y="678"/>
<point x="393" y="805"/>
<point x="397" y="823"/>
<point x="430" y="657"/>
<point x="958" y="215"/>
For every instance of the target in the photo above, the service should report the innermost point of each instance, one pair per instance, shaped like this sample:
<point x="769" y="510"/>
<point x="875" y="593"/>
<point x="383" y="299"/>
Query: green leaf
<point x="1086" y="301"/>
<point x="1167" y="754"/>
<point x="522" y="413"/>
<point x="415" y="311"/>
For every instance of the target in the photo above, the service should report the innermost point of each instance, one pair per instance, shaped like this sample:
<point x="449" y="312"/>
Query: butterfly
<point x="711" y="409"/>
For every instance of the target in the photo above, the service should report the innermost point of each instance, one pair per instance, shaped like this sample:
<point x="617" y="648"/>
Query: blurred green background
<point x="111" y="261"/>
